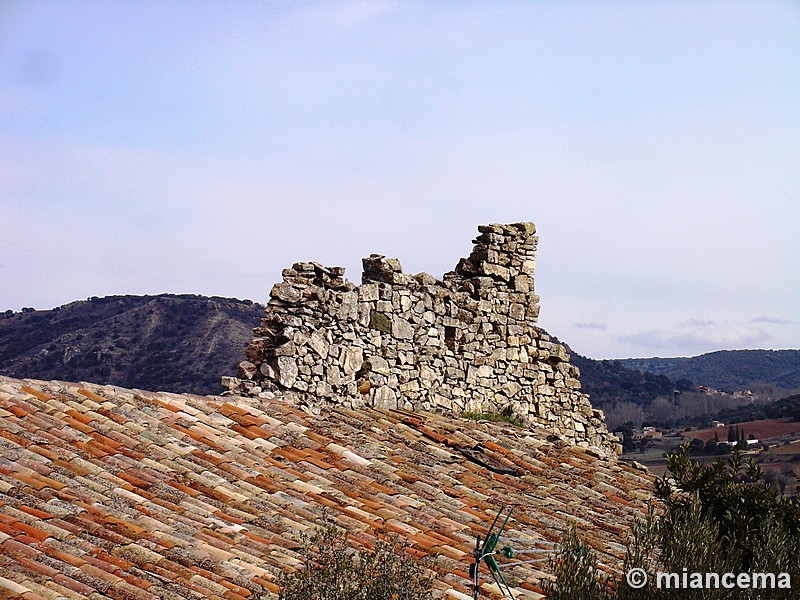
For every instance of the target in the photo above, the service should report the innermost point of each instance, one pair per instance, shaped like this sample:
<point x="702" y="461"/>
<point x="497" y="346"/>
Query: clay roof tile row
<point x="108" y="492"/>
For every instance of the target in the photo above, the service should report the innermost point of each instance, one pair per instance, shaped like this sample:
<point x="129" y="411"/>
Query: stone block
<point x="380" y="321"/>
<point x="286" y="292"/>
<point x="496" y="270"/>
<point x="368" y="292"/>
<point x="247" y="370"/>
<point x="286" y="371"/>
<point x="402" y="329"/>
<point x="379" y="365"/>
<point x="352" y="359"/>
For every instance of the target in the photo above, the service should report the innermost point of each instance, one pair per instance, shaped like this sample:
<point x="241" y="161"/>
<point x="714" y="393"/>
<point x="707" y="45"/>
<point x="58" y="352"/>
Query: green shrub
<point x="718" y="518"/>
<point x="577" y="574"/>
<point x="332" y="570"/>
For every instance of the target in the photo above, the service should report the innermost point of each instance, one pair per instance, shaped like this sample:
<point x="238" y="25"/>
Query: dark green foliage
<point x="577" y="574"/>
<point x="697" y="446"/>
<point x="718" y="518"/>
<point x="734" y="498"/>
<point x="334" y="571"/>
<point x="625" y="433"/>
<point x="786" y="408"/>
<point x="613" y="381"/>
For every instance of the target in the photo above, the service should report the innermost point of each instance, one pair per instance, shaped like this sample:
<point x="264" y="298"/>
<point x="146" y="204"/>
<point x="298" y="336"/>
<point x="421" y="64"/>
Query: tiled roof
<point x="109" y="492"/>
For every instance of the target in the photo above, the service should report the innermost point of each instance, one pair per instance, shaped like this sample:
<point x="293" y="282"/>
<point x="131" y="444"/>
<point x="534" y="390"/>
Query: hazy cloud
<point x="592" y="325"/>
<point x="700" y="339"/>
<point x="772" y="321"/>
<point x="697" y="323"/>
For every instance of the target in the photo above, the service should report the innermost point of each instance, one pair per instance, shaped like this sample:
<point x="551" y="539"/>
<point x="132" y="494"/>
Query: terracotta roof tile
<point x="131" y="494"/>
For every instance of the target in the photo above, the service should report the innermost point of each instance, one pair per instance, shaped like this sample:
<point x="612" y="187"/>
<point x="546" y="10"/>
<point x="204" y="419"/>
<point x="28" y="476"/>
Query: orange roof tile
<point x="119" y="493"/>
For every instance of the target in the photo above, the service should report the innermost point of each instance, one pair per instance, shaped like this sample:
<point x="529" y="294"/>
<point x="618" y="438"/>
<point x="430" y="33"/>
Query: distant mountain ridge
<point x="727" y="370"/>
<point x="169" y="342"/>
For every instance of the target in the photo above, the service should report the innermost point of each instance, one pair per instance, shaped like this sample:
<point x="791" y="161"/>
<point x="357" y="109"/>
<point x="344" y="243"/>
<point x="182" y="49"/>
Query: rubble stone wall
<point x="467" y="343"/>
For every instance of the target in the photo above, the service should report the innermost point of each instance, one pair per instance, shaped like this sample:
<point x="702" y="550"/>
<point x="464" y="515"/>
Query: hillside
<point x="728" y="369"/>
<point x="611" y="381"/>
<point x="178" y="343"/>
<point x="785" y="408"/>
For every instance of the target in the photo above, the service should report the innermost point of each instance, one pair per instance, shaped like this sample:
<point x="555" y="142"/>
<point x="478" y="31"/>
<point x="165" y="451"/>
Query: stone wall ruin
<point x="466" y="343"/>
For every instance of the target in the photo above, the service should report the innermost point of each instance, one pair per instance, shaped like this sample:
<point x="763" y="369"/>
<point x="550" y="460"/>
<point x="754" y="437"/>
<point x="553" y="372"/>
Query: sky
<point x="202" y="146"/>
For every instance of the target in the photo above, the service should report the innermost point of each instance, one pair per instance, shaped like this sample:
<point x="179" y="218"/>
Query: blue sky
<point x="201" y="147"/>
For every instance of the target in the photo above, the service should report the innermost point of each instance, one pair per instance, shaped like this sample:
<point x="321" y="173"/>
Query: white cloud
<point x="702" y="338"/>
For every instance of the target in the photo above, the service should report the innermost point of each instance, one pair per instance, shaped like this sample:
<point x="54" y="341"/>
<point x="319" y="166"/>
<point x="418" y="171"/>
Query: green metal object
<point x="486" y="552"/>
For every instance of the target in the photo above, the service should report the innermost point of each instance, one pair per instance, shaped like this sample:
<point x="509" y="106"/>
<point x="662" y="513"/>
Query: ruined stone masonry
<point x="466" y="343"/>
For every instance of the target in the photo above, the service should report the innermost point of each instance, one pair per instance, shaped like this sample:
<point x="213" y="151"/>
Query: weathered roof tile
<point x="129" y="494"/>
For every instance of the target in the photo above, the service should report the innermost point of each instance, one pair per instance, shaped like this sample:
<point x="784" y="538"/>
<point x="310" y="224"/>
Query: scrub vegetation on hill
<point x="176" y="343"/>
<point x="727" y="370"/>
<point x="720" y="518"/>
